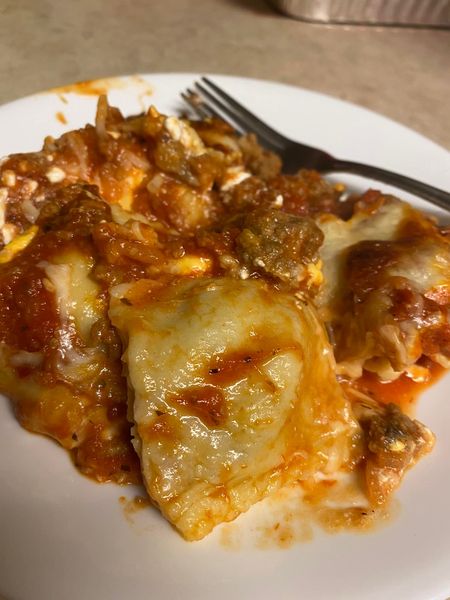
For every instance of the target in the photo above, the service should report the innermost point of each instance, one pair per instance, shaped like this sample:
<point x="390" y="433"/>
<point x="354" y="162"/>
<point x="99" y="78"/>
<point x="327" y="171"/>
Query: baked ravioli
<point x="249" y="308"/>
<point x="59" y="355"/>
<point x="386" y="290"/>
<point x="232" y="394"/>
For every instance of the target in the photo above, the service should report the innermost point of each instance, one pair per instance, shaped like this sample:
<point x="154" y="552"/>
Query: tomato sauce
<point x="404" y="391"/>
<point x="136" y="163"/>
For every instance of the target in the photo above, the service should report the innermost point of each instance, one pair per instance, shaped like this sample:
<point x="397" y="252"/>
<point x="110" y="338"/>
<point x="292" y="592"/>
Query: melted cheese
<point x="371" y="326"/>
<point x="341" y="235"/>
<point x="17" y="245"/>
<point x="181" y="132"/>
<point x="76" y="292"/>
<point x="233" y="395"/>
<point x="53" y="410"/>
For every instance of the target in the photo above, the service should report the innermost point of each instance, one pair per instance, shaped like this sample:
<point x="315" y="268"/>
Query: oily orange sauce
<point x="132" y="506"/>
<point x="404" y="391"/>
<point x="296" y="513"/>
<point x="61" y="117"/>
<point x="98" y="87"/>
<point x="91" y="87"/>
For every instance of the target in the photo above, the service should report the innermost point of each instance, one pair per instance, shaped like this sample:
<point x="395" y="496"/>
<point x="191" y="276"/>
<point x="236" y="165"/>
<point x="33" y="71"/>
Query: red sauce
<point x="159" y="430"/>
<point x="108" y="460"/>
<point x="403" y="391"/>
<point x="28" y="316"/>
<point x="233" y="366"/>
<point x="207" y="403"/>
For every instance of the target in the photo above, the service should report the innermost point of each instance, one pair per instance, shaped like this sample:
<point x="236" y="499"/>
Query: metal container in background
<point x="424" y="13"/>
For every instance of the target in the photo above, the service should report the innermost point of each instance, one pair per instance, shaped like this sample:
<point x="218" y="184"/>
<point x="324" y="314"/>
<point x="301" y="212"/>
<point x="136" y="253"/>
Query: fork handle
<point x="422" y="190"/>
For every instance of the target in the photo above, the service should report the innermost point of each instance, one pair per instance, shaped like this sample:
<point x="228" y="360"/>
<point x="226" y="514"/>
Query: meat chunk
<point x="306" y="193"/>
<point x="394" y="443"/>
<point x="281" y="245"/>
<point x="258" y="160"/>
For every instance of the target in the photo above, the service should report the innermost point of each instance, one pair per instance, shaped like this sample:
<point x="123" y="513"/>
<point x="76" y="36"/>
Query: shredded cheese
<point x="17" y="245"/>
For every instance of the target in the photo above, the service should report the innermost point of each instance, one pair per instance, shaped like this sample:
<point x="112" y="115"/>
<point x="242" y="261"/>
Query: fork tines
<point x="196" y="102"/>
<point x="209" y="100"/>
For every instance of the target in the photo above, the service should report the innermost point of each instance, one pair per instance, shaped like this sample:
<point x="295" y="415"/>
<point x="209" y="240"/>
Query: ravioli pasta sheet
<point x="176" y="311"/>
<point x="234" y="394"/>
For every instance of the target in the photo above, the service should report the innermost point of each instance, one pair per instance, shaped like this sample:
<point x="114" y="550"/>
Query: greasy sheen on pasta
<point x="233" y="395"/>
<point x="174" y="310"/>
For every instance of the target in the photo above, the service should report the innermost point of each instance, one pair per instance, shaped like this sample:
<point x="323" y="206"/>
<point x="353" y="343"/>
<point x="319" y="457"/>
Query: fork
<point x="209" y="100"/>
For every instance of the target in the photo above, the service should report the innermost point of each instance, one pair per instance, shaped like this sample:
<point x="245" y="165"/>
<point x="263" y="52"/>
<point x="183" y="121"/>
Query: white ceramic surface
<point x="65" y="537"/>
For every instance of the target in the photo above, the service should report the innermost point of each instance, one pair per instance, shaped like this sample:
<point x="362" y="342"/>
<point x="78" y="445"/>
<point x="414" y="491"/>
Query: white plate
<point x="64" y="537"/>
